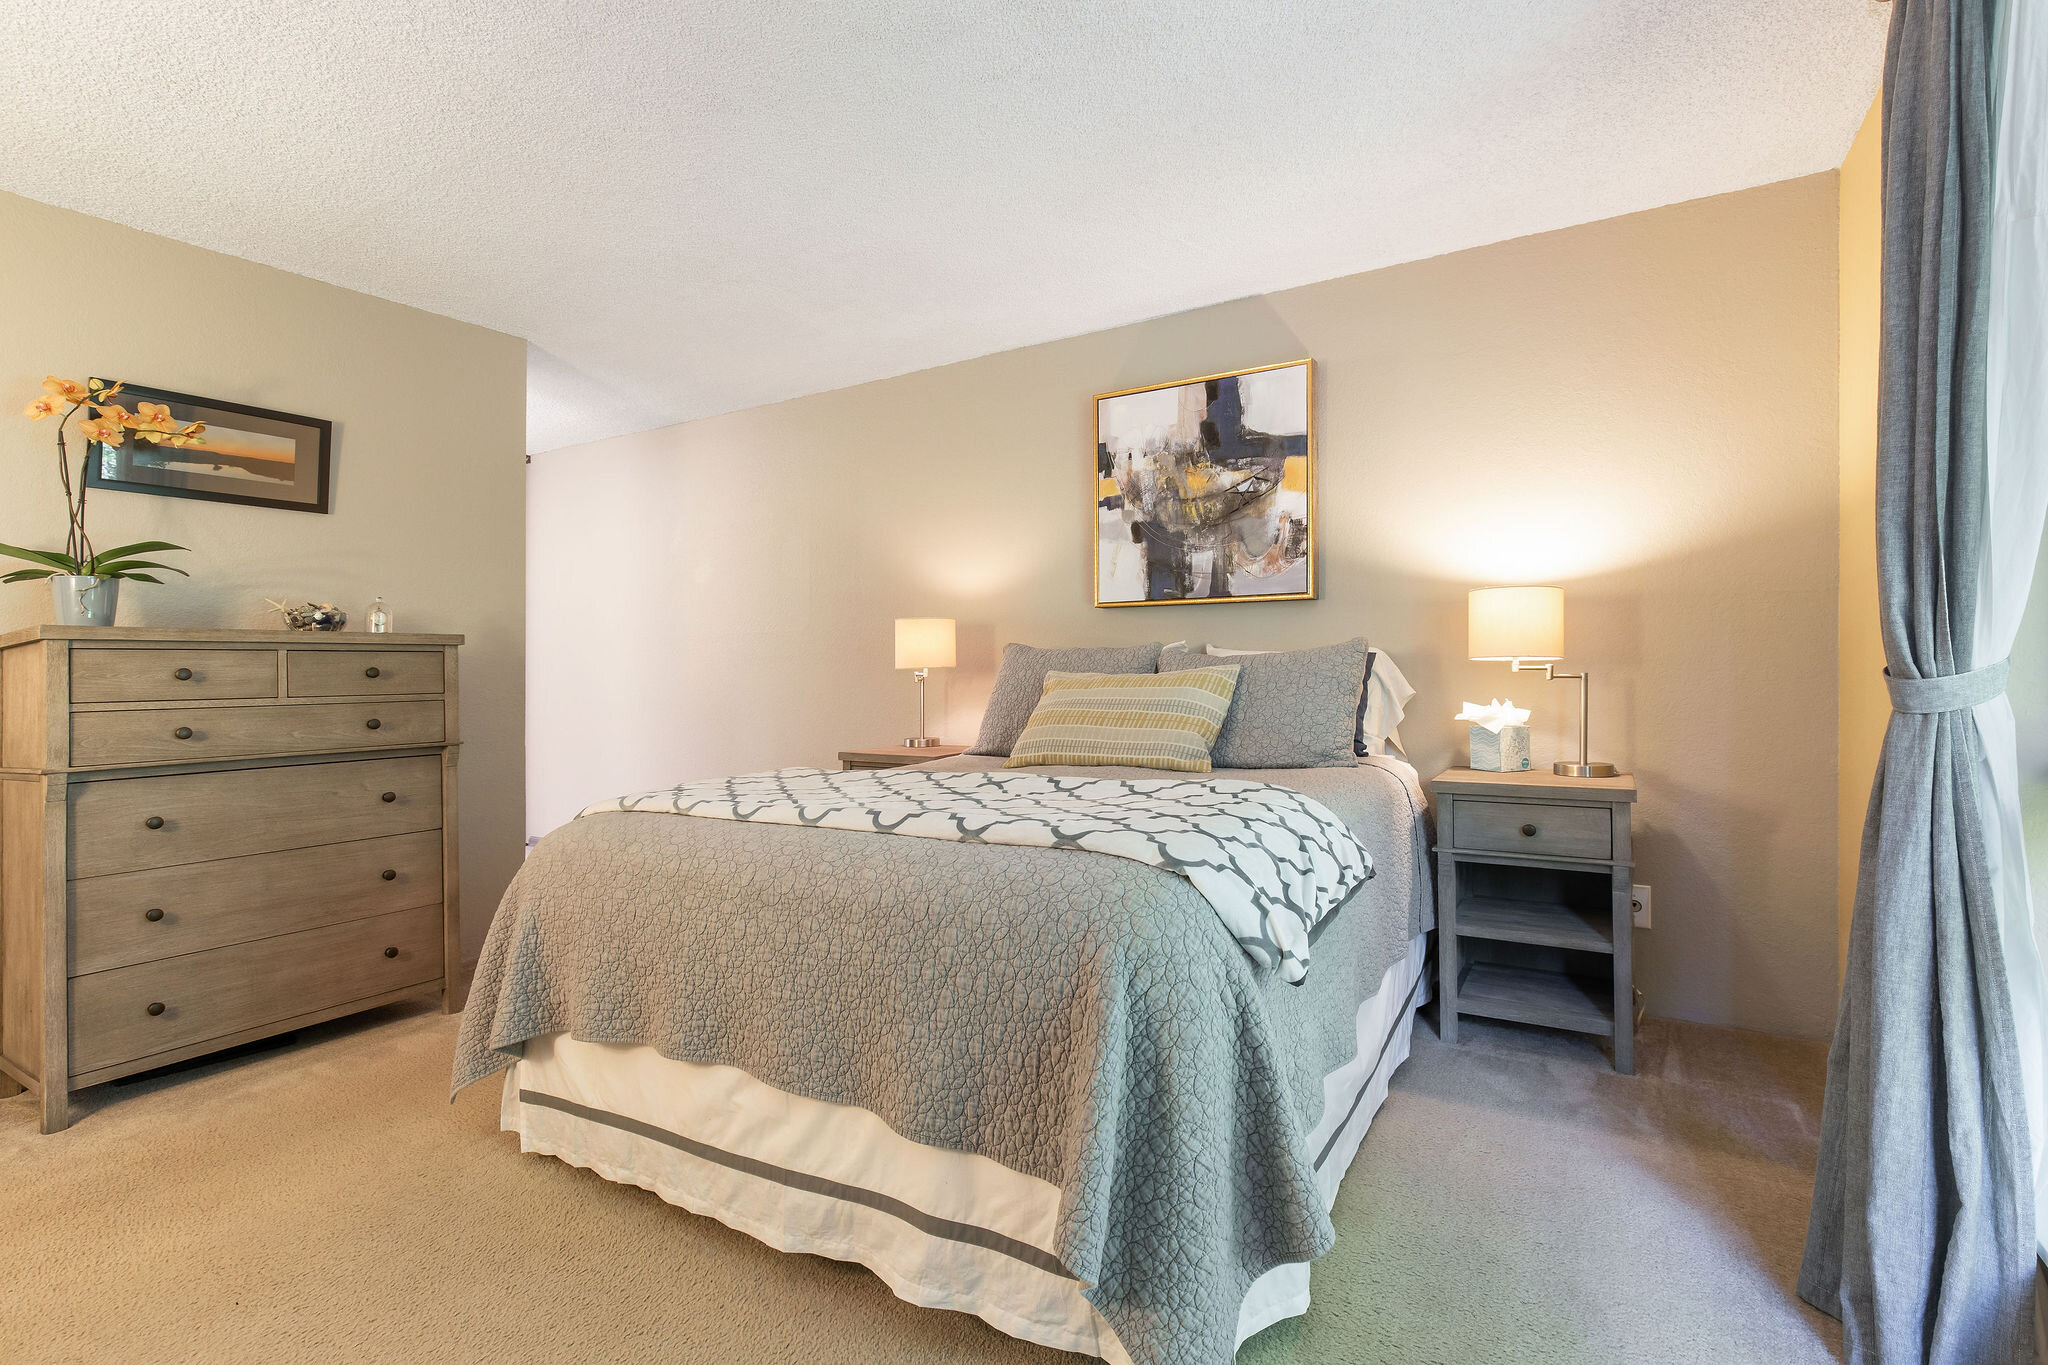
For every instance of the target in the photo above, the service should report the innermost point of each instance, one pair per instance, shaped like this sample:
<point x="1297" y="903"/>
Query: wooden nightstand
<point x="1532" y="897"/>
<point x="895" y="756"/>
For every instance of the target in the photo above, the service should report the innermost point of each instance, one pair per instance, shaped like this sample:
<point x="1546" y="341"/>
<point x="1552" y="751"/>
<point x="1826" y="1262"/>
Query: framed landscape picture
<point x="248" y="455"/>
<point x="1205" y="489"/>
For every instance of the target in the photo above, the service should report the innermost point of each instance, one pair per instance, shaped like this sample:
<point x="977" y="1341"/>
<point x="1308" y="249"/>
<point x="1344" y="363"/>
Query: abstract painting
<point x="1205" y="489"/>
<point x="248" y="455"/>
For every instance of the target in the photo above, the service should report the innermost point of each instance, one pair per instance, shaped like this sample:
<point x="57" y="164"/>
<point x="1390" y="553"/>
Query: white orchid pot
<point x="84" y="599"/>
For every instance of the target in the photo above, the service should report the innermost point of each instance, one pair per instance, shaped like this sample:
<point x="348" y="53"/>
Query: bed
<point x="1036" y="1084"/>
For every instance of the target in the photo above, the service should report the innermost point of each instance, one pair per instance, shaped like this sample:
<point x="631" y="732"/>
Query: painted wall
<point x="428" y="474"/>
<point x="1865" y="705"/>
<point x="1642" y="409"/>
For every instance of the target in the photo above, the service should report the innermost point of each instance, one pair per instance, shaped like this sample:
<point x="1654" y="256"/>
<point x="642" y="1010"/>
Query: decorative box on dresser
<point x="1534" y="915"/>
<point x="212" y="836"/>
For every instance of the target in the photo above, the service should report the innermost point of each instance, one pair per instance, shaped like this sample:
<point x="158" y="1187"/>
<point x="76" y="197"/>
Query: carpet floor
<point x="1516" y="1202"/>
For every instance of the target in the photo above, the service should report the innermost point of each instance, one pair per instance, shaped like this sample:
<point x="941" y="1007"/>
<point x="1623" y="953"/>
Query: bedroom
<point x="1589" y="298"/>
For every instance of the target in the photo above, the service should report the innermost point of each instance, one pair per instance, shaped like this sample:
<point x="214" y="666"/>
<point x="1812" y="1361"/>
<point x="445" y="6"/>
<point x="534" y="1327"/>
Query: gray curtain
<point x="1922" y="1233"/>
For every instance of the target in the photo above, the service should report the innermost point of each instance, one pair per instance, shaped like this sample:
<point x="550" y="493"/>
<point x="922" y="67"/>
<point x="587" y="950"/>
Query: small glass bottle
<point x="380" y="618"/>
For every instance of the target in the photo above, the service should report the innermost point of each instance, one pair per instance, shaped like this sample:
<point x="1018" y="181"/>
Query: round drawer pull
<point x="183" y="675"/>
<point x="1528" y="831"/>
<point x="388" y="797"/>
<point x="153" y="914"/>
<point x="370" y="672"/>
<point x="155" y="1007"/>
<point x="154" y="822"/>
<point x="389" y="874"/>
<point x="374" y="724"/>
<point x="182" y="732"/>
<point x="391" y="952"/>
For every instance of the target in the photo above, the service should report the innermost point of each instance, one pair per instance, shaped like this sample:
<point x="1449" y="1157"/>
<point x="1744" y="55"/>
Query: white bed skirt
<point x="942" y="1229"/>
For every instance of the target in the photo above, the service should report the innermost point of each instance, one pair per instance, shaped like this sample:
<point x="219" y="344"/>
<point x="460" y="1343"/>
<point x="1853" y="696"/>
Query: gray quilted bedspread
<point x="1080" y="1018"/>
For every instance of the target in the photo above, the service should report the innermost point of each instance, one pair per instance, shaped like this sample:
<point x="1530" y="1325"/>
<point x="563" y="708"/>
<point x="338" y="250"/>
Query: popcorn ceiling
<point x="692" y="208"/>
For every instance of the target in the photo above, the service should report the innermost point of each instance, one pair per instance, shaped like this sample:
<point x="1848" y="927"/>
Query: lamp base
<point x="1583" y="769"/>
<point x="922" y="742"/>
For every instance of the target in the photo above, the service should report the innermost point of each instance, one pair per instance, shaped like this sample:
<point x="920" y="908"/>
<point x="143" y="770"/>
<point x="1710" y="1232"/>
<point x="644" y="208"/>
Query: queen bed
<point x="1048" y="1085"/>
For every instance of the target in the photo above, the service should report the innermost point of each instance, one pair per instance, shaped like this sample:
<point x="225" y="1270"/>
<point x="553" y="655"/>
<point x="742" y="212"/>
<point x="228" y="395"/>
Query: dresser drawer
<point x="100" y="675"/>
<point x="203" y="816"/>
<point x="362" y="672"/>
<point x="133" y="917"/>
<point x="196" y="734"/>
<point x="222" y="991"/>
<point x="1539" y="829"/>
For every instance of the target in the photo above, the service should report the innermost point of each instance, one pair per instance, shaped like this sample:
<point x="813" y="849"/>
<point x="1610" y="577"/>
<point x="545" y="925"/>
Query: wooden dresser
<point x="211" y="836"/>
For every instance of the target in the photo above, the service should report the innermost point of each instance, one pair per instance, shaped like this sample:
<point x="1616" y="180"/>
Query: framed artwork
<point x="247" y="455"/>
<point x="1205" y="489"/>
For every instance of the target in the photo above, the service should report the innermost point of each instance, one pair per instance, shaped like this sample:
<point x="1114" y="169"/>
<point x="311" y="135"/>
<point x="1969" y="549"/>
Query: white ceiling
<point x="689" y="208"/>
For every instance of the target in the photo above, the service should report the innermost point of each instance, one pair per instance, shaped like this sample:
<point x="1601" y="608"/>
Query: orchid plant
<point x="107" y="423"/>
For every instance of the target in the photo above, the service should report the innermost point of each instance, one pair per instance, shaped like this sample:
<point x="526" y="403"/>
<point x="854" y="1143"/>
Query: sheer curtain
<point x="2016" y="440"/>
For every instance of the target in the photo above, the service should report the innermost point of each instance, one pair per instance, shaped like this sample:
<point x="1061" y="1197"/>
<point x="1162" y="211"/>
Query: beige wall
<point x="428" y="474"/>
<point x="1643" y="410"/>
<point x="1865" y="705"/>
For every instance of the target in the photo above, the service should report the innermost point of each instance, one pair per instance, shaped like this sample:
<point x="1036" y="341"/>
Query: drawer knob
<point x="388" y="797"/>
<point x="1528" y="831"/>
<point x="156" y="1007"/>
<point x="374" y="723"/>
<point x="153" y="914"/>
<point x="182" y="732"/>
<point x="154" y="822"/>
<point x="183" y="675"/>
<point x="391" y="952"/>
<point x="389" y="874"/>
<point x="370" y="672"/>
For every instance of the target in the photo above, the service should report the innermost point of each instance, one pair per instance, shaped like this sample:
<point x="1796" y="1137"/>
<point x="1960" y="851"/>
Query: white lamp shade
<point x="1515" y="623"/>
<point x="924" y="642"/>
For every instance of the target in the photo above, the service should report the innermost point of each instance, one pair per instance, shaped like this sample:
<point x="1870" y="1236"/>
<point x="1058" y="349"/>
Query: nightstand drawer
<point x="1539" y="829"/>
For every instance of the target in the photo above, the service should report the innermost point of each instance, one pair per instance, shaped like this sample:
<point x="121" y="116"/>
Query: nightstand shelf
<point x="1506" y="919"/>
<point x="1527" y="996"/>
<point x="1534" y="923"/>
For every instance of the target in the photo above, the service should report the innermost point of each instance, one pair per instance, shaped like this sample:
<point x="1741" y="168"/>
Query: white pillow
<point x="1387" y="695"/>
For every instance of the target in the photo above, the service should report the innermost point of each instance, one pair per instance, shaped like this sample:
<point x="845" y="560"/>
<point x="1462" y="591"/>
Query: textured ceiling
<point x="693" y="207"/>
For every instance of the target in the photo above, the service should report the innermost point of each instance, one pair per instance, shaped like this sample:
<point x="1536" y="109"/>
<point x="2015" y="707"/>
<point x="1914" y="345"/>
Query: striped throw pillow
<point x="1127" y="720"/>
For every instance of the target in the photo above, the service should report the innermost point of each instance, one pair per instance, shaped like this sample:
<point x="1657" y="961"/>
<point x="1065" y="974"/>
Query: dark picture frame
<point x="255" y="444"/>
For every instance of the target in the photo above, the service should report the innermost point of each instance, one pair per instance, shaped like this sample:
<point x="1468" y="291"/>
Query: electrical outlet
<point x="1639" y="901"/>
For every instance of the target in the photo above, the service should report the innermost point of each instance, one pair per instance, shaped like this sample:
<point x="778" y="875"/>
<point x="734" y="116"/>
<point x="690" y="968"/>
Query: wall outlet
<point x="1639" y="901"/>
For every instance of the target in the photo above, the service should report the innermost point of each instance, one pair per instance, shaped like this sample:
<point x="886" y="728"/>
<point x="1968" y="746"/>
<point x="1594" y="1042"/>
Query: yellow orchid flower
<point x="152" y="417"/>
<point x="114" y="412"/>
<point x="106" y="391"/>
<point x="45" y="406"/>
<point x="69" y="390"/>
<point x="103" y="429"/>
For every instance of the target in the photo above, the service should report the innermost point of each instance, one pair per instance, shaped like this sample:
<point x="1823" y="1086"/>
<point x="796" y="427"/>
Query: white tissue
<point x="1494" y="717"/>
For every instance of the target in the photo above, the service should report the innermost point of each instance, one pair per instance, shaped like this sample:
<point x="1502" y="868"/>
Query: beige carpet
<point x="1515" y="1203"/>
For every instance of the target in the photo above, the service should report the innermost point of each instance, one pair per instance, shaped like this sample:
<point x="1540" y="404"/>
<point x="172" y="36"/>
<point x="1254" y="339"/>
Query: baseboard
<point x="2040" y="1312"/>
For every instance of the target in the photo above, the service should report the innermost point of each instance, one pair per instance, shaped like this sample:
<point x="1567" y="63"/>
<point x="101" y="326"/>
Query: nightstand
<point x="895" y="756"/>
<point x="1532" y="894"/>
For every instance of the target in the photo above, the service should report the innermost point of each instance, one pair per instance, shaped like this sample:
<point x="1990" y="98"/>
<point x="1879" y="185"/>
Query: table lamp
<point x="923" y="643"/>
<point x="1524" y="628"/>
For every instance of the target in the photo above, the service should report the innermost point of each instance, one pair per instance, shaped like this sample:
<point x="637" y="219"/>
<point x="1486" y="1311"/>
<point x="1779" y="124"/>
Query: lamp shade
<point x="1515" y="623"/>
<point x="924" y="642"/>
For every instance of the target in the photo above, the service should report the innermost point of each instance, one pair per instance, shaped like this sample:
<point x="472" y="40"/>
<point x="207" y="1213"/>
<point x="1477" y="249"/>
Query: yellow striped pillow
<point x="1127" y="720"/>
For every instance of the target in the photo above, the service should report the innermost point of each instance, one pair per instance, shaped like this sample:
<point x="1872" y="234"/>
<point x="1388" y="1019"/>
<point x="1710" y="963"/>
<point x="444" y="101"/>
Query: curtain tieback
<point x="1956" y="692"/>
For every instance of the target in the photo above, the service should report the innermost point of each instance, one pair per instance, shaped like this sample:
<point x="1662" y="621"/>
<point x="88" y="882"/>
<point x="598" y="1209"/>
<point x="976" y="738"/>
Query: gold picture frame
<point x="1196" y="501"/>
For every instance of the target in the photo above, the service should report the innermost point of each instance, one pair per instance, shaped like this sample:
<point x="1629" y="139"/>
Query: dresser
<point x="1534" y="915"/>
<point x="211" y="836"/>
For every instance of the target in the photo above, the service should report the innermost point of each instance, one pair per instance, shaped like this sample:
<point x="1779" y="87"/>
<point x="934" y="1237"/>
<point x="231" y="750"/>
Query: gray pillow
<point x="1295" y="708"/>
<point x="1020" y="681"/>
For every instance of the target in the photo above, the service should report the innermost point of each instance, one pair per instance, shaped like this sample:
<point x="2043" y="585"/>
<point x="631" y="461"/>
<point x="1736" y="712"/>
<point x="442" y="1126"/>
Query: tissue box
<point x="1506" y="752"/>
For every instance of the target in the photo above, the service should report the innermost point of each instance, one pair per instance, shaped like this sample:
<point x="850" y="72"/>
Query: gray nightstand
<point x="1532" y="895"/>
<point x="895" y="756"/>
